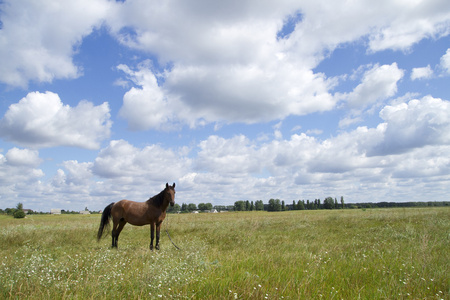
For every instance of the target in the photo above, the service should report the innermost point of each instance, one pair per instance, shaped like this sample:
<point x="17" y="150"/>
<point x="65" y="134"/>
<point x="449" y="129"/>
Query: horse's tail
<point x="104" y="222"/>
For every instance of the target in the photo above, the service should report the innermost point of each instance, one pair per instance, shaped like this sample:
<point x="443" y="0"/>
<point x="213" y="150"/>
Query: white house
<point x="55" y="211"/>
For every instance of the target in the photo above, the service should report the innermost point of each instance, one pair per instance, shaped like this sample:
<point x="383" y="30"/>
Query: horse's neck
<point x="163" y="206"/>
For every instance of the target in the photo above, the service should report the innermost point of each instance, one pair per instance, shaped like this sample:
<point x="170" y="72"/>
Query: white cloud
<point x="421" y="73"/>
<point x="408" y="22"/>
<point x="131" y="165"/>
<point x="416" y="124"/>
<point x="410" y="148"/>
<point x="445" y="61"/>
<point x="19" y="173"/>
<point x="146" y="106"/>
<point x="378" y="83"/>
<point x="23" y="157"/>
<point x="41" y="120"/>
<point x="234" y="156"/>
<point x="38" y="39"/>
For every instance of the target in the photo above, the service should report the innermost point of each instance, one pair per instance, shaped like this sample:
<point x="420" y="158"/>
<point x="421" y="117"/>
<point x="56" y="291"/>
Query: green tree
<point x="239" y="206"/>
<point x="274" y="205"/>
<point x="342" y="202"/>
<point x="191" y="207"/>
<point x="174" y="209"/>
<point x="19" y="213"/>
<point x="301" y="205"/>
<point x="283" y="205"/>
<point x="328" y="203"/>
<point x="259" y="205"/>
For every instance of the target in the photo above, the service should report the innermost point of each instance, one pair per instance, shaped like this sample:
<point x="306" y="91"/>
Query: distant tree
<point x="19" y="213"/>
<point x="259" y="205"/>
<point x="247" y="205"/>
<point x="274" y="205"/>
<point x="342" y="202"/>
<point x="239" y="206"/>
<point x="174" y="209"/>
<point x="283" y="205"/>
<point x="201" y="206"/>
<point x="328" y="203"/>
<point x="252" y="206"/>
<point x="220" y="207"/>
<point x="301" y="205"/>
<point x="336" y="203"/>
<point x="191" y="207"/>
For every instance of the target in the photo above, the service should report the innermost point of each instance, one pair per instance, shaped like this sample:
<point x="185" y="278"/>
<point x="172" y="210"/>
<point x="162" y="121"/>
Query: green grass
<point x="340" y="254"/>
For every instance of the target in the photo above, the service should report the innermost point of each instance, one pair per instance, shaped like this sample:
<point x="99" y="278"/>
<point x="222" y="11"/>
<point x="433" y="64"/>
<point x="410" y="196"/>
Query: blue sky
<point x="103" y="100"/>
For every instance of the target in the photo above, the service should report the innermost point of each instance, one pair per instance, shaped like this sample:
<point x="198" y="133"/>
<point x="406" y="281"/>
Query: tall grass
<point x="341" y="254"/>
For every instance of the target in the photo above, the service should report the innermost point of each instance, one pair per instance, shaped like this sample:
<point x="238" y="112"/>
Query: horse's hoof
<point x="157" y="247"/>
<point x="151" y="247"/>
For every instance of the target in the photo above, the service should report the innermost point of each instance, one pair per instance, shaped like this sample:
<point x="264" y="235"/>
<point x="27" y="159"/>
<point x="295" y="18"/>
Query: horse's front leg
<point x="152" y="235"/>
<point x="158" y="228"/>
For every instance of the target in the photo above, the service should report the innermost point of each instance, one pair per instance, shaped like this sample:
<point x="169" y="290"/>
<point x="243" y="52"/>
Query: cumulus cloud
<point x="239" y="69"/>
<point x="19" y="172"/>
<point x="410" y="22"/>
<point x="121" y="160"/>
<point x="23" y="157"/>
<point x="445" y="61"/>
<point x="421" y="73"/>
<point x="378" y="83"/>
<point x="415" y="124"/>
<point x="145" y="106"/>
<point x="234" y="156"/>
<point x="39" y="39"/>
<point x="41" y="120"/>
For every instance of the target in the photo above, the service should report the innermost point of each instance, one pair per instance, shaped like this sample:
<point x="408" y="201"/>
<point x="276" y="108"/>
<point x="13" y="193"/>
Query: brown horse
<point x="152" y="211"/>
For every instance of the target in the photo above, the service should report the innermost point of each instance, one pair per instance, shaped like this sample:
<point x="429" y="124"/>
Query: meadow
<point x="337" y="254"/>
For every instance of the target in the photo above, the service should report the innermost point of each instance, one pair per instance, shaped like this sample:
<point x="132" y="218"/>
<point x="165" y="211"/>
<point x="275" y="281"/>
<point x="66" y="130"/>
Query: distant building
<point x="84" y="212"/>
<point x="55" y="211"/>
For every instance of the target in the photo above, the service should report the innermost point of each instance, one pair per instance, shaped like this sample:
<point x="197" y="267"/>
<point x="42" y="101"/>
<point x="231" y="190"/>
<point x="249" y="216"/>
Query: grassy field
<point x="339" y="254"/>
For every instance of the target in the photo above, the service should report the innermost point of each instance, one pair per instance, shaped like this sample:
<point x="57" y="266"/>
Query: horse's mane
<point x="157" y="200"/>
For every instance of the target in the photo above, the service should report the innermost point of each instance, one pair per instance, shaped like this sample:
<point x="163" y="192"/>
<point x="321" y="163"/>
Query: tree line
<point x="258" y="205"/>
<point x="281" y="205"/>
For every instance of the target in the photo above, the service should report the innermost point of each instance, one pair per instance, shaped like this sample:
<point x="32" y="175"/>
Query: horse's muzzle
<point x="172" y="203"/>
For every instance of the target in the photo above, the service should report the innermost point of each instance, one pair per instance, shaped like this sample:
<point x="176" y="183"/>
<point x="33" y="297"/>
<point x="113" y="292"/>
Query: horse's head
<point x="169" y="194"/>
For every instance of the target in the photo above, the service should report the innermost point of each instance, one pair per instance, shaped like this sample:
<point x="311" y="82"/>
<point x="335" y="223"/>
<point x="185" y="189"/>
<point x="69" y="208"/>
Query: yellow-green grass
<point x="339" y="254"/>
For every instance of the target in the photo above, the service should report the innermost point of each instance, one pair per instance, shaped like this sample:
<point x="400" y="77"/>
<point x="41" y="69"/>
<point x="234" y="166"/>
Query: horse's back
<point x="132" y="212"/>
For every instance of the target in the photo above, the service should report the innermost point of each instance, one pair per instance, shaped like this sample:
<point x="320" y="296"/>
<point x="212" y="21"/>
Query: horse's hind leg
<point x="117" y="228"/>
<point x="114" y="234"/>
<point x="122" y="223"/>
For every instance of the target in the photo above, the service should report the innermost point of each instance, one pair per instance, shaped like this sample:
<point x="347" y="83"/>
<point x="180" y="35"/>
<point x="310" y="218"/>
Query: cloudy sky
<point x="231" y="100"/>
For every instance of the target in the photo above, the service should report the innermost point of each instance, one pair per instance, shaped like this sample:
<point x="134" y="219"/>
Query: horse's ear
<point x="167" y="185"/>
<point x="174" y="185"/>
